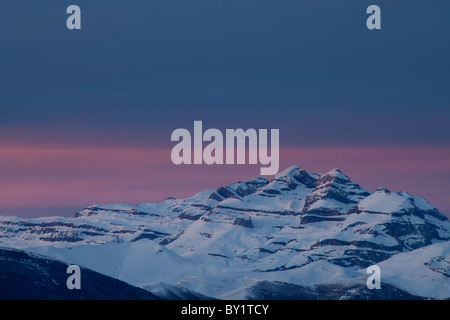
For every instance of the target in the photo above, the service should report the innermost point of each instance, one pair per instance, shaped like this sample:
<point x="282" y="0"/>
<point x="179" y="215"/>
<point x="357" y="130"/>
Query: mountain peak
<point x="333" y="195"/>
<point x="288" y="172"/>
<point x="336" y="174"/>
<point x="383" y="190"/>
<point x="335" y="179"/>
<point x="296" y="175"/>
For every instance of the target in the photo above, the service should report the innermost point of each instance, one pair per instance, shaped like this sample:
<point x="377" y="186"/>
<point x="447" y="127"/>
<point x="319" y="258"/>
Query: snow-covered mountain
<point x="299" y="235"/>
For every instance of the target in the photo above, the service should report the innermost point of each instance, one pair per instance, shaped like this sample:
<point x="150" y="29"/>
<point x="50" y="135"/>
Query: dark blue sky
<point x="86" y="115"/>
<point x="138" y="70"/>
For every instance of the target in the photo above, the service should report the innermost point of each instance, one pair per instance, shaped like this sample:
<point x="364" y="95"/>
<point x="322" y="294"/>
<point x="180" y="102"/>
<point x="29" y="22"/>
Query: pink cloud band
<point x="55" y="176"/>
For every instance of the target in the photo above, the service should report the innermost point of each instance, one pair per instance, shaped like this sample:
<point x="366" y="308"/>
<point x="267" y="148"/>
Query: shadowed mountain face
<point x="266" y="290"/>
<point x="30" y="277"/>
<point x="316" y="231"/>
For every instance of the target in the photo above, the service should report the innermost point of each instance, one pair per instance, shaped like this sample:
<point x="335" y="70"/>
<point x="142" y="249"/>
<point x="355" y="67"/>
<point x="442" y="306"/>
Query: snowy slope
<point x="424" y="271"/>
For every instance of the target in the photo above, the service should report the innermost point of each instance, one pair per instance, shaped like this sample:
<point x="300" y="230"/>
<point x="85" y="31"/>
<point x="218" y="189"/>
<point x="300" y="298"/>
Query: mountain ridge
<point x="255" y="230"/>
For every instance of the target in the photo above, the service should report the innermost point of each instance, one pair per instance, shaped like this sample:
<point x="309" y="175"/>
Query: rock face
<point x="235" y="241"/>
<point x="333" y="195"/>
